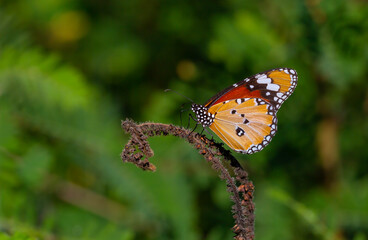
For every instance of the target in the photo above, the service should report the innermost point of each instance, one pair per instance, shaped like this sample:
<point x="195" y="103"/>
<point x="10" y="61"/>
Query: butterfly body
<point x="244" y="114"/>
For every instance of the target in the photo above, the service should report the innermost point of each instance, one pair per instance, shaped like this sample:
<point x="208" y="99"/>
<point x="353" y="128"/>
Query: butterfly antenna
<point x="178" y="93"/>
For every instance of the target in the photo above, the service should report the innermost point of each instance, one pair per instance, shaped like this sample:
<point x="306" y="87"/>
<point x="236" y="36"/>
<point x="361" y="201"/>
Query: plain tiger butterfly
<point x="244" y="114"/>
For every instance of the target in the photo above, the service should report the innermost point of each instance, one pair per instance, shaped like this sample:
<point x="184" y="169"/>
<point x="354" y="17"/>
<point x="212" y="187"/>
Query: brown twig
<point x="138" y="151"/>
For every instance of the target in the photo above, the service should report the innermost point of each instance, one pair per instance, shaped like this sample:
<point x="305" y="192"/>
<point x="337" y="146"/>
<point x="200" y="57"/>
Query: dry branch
<point x="138" y="151"/>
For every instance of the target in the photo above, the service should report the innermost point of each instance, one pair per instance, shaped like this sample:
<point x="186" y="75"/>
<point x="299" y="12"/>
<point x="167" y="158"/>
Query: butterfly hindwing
<point x="247" y="125"/>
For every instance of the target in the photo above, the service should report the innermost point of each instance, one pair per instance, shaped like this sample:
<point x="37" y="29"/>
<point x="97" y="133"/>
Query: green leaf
<point x="35" y="165"/>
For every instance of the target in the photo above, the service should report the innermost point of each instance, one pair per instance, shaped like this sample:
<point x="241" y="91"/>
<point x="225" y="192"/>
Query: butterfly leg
<point x="191" y="117"/>
<point x="193" y="129"/>
<point x="202" y="131"/>
<point x="205" y="129"/>
<point x="195" y="120"/>
<point x="208" y="132"/>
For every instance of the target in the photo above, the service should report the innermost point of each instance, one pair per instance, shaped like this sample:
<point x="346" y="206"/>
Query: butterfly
<point x="244" y="114"/>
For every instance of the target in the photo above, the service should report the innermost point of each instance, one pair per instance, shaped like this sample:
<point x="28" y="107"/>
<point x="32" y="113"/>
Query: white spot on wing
<point x="273" y="87"/>
<point x="264" y="80"/>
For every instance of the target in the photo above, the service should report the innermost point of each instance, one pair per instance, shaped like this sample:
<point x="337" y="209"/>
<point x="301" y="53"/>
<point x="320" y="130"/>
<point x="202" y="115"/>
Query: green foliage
<point x="71" y="70"/>
<point x="16" y="236"/>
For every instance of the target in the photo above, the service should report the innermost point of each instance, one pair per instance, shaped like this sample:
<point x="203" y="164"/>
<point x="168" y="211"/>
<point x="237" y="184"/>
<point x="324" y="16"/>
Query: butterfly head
<point x="204" y="117"/>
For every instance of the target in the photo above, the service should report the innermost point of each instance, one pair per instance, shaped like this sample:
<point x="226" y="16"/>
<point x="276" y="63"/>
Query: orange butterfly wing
<point x="246" y="125"/>
<point x="273" y="86"/>
<point x="244" y="114"/>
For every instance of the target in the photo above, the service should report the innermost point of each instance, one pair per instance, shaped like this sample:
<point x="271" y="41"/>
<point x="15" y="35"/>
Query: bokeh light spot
<point x="68" y="27"/>
<point x="186" y="70"/>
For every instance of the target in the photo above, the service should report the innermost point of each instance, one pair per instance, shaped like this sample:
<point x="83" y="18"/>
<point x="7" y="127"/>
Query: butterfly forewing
<point x="246" y="125"/>
<point x="273" y="86"/>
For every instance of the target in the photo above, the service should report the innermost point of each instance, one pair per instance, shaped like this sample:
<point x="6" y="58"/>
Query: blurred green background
<point x="71" y="70"/>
